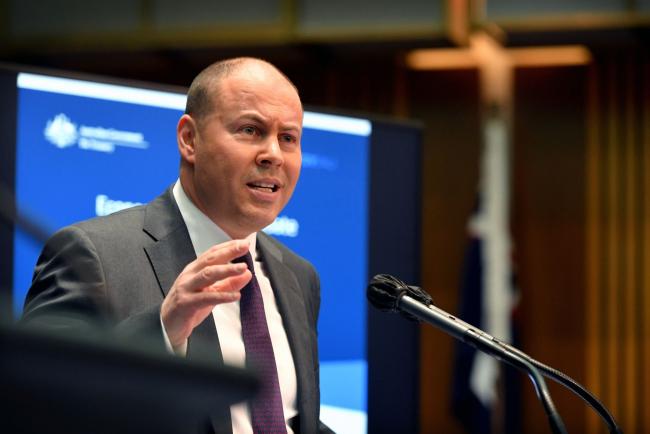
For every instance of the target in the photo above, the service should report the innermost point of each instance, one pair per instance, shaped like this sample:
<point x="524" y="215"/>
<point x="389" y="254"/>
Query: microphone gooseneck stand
<point x="557" y="376"/>
<point x="388" y="293"/>
<point x="480" y="342"/>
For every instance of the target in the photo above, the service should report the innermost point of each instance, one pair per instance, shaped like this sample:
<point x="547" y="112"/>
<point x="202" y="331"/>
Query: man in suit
<point x="170" y="268"/>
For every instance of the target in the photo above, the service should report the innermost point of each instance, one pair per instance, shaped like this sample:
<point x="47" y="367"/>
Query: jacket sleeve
<point x="68" y="288"/>
<point x="69" y="293"/>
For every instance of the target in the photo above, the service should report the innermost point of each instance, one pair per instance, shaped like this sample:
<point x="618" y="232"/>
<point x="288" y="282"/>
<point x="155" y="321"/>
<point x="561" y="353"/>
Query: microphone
<point x="390" y="294"/>
<point x="385" y="291"/>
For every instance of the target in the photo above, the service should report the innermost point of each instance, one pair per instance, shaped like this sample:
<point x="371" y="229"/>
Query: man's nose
<point x="271" y="153"/>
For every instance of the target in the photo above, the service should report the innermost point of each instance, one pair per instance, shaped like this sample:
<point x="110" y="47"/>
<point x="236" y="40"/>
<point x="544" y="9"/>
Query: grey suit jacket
<point x="116" y="270"/>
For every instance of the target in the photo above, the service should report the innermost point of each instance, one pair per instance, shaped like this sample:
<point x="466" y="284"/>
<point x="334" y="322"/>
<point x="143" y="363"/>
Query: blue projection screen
<point x="86" y="149"/>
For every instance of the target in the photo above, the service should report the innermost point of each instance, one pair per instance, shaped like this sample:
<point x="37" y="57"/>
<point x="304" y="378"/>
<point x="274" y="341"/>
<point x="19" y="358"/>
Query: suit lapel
<point x="292" y="308"/>
<point x="170" y="252"/>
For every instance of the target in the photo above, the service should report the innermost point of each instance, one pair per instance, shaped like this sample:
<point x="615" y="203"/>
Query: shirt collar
<point x="204" y="233"/>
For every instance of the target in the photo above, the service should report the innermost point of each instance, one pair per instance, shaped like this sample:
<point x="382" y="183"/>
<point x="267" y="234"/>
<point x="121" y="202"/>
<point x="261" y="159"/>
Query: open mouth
<point x="264" y="186"/>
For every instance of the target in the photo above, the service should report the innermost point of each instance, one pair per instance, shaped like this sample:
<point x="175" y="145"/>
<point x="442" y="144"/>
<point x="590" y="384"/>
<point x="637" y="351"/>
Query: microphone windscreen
<point x="384" y="292"/>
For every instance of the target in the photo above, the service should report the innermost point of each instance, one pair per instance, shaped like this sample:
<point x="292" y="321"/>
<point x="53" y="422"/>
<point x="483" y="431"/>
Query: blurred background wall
<point x="577" y="105"/>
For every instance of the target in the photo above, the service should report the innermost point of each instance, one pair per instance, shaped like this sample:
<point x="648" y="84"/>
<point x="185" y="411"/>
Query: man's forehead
<point x="250" y="79"/>
<point x="252" y="90"/>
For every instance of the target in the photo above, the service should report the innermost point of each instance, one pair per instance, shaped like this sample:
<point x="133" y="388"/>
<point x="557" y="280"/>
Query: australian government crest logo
<point x="63" y="133"/>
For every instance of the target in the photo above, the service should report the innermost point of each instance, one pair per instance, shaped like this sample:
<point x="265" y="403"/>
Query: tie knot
<point x="247" y="259"/>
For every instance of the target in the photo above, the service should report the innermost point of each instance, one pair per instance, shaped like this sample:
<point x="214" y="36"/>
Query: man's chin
<point x="258" y="221"/>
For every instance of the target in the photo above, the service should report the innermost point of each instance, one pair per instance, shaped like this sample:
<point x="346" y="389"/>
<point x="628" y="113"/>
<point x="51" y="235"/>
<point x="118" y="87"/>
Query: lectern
<point x="64" y="384"/>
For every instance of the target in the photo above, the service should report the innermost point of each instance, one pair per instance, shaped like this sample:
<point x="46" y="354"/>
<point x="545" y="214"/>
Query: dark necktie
<point x="267" y="415"/>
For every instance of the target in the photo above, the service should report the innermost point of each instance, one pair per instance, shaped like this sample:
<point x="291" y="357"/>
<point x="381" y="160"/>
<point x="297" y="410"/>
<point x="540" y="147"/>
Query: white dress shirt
<point x="204" y="233"/>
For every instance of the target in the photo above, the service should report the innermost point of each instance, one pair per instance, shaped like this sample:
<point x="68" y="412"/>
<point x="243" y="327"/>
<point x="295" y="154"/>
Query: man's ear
<point x="186" y="136"/>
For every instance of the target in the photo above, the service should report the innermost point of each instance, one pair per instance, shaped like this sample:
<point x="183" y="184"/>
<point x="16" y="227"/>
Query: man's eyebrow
<point x="292" y="127"/>
<point x="255" y="117"/>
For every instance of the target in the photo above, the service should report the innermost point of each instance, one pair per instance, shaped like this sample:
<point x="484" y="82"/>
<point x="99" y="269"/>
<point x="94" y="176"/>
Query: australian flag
<point x="485" y="396"/>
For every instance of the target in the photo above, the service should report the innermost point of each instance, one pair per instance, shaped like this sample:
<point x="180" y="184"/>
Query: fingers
<point x="214" y="274"/>
<point x="210" y="299"/>
<point x="231" y="284"/>
<point x="220" y="254"/>
<point x="213" y="270"/>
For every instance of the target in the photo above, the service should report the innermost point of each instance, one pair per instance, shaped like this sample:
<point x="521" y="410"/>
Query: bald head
<point x="207" y="84"/>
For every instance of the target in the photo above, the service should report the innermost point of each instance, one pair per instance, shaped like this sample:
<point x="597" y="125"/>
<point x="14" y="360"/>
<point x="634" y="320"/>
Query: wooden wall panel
<point x="644" y="374"/>
<point x="617" y="239"/>
<point x="548" y="222"/>
<point x="447" y="102"/>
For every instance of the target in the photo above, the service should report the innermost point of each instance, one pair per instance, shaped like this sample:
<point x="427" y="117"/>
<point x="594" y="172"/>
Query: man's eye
<point x="288" y="138"/>
<point x="249" y="130"/>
